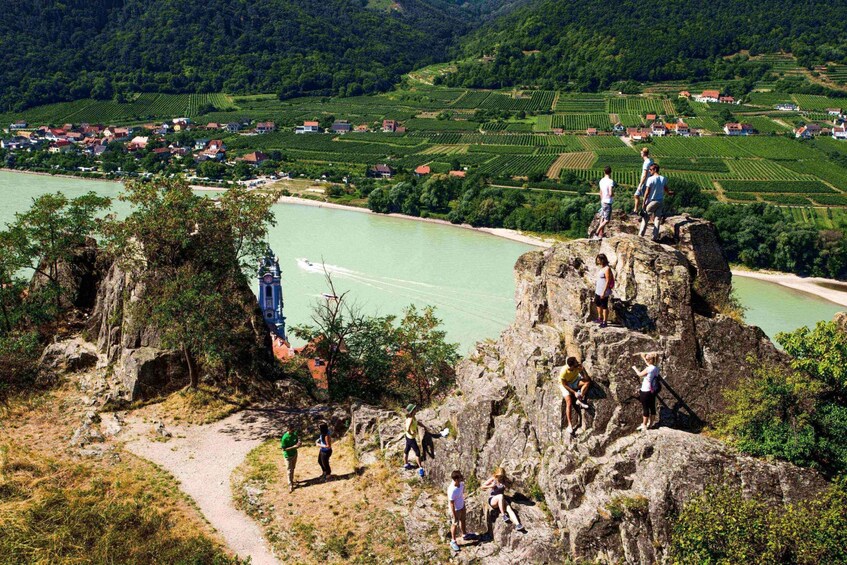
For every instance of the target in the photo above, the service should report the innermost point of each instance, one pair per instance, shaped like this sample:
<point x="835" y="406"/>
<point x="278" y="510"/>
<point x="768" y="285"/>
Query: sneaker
<point x="408" y="466"/>
<point x="520" y="528"/>
<point x="640" y="428"/>
<point x="582" y="404"/>
<point x="454" y="546"/>
<point x="290" y="488"/>
<point x="603" y="324"/>
<point x="569" y="430"/>
<point x="579" y="394"/>
<point x="596" y="238"/>
<point x="469" y="536"/>
<point x="598" y="321"/>
<point x="506" y="519"/>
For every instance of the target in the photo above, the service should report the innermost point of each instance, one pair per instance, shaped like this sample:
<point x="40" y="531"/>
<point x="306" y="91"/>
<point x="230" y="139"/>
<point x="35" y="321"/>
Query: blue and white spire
<point x="270" y="292"/>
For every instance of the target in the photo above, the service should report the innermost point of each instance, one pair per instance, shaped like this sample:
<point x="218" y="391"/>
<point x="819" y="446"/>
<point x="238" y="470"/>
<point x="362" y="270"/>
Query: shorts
<point x="655" y="207"/>
<point x="648" y="403"/>
<point x="639" y="192"/>
<point x="412" y="445"/>
<point x="601" y="301"/>
<point x="606" y="211"/>
<point x="460" y="515"/>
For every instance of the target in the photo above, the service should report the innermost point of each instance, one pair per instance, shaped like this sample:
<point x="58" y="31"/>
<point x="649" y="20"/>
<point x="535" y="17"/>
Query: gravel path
<point x="202" y="458"/>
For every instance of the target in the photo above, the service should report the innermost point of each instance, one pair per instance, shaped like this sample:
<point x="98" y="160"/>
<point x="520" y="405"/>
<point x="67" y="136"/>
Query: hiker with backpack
<point x="603" y="289"/>
<point x="574" y="383"/>
<point x="651" y="384"/>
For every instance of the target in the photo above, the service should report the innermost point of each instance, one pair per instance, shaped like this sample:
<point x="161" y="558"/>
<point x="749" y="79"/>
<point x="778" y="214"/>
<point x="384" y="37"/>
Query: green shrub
<point x="722" y="527"/>
<point x="800" y="414"/>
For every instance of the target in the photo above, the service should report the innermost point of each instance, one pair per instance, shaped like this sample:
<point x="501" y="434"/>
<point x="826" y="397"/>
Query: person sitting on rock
<point x="649" y="389"/>
<point x="603" y="289"/>
<point x="456" y="508"/>
<point x="498" y="483"/>
<point x="574" y="383"/>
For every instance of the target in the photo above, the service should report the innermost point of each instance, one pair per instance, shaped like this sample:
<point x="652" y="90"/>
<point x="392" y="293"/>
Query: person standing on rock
<point x="607" y="187"/>
<point x="498" y="483"/>
<point x="574" y="383"/>
<point x="410" y="432"/>
<point x="325" y="444"/>
<point x="289" y="443"/>
<point x="603" y="289"/>
<point x="647" y="162"/>
<point x="654" y="201"/>
<point x="456" y="504"/>
<point x="648" y="391"/>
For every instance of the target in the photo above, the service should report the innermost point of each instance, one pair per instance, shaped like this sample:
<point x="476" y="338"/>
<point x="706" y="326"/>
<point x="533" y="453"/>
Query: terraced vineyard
<point x="580" y="160"/>
<point x="580" y="122"/>
<point x="571" y="103"/>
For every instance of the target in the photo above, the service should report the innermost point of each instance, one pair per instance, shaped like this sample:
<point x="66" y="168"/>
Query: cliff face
<point x="509" y="410"/>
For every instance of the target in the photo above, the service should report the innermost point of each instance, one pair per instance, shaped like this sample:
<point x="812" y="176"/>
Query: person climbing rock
<point x="289" y="443"/>
<point x="456" y="509"/>
<point x="410" y="431"/>
<point x="574" y="383"/>
<point x="498" y="482"/>
<point x="325" y="444"/>
<point x="650" y="384"/>
<point x="603" y="289"/>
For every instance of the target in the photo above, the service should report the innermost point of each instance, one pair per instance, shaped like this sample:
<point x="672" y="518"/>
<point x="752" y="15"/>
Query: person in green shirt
<point x="289" y="443"/>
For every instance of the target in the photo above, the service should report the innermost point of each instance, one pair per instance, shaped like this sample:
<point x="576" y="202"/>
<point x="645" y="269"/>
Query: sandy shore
<point x="828" y="289"/>
<point x="499" y="232"/>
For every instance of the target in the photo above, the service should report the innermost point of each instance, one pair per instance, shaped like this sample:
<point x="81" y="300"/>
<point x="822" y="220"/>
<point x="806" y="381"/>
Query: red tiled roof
<point x="422" y="170"/>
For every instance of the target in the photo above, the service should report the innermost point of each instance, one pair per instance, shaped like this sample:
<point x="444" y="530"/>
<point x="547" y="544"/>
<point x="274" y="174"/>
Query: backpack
<point x="656" y="384"/>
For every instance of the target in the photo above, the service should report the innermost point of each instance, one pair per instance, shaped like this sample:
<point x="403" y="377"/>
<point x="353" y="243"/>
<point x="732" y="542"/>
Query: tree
<point x="424" y="357"/>
<point x="48" y="233"/>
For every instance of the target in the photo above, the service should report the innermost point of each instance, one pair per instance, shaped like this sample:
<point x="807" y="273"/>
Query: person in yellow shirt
<point x="411" y="433"/>
<point x="574" y="383"/>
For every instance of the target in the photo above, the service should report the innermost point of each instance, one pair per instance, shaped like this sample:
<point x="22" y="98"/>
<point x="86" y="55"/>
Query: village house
<point x="458" y="174"/>
<point x="638" y="134"/>
<point x="807" y="131"/>
<point x="726" y="100"/>
<point x="215" y="150"/>
<point x="684" y="94"/>
<point x="255" y="158"/>
<point x="213" y="125"/>
<point x="591" y="132"/>
<point x="683" y="129"/>
<point x="839" y="132"/>
<point x="265" y="127"/>
<point x="651" y="117"/>
<point x="833" y="111"/>
<point x="117" y="134"/>
<point x="422" y="170"/>
<point x="708" y="96"/>
<point x="787" y="107"/>
<point x="362" y="128"/>
<point x="60" y="146"/>
<point x="138" y="142"/>
<point x="618" y="128"/>
<point x="389" y="126"/>
<point x="735" y="128"/>
<point x="308" y="127"/>
<point x="658" y="129"/>
<point x="200" y="144"/>
<point x="381" y="171"/>
<point x="20" y="124"/>
<point x="341" y="126"/>
<point x="233" y="127"/>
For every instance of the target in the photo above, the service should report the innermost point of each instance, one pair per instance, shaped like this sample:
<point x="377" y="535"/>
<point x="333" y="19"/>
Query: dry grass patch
<point x="356" y="518"/>
<point x="202" y="405"/>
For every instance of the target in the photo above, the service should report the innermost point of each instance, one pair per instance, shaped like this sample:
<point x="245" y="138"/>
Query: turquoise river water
<point x="388" y="263"/>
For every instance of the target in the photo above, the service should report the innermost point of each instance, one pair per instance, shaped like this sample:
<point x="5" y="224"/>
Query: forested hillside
<point x="54" y="51"/>
<point x="591" y="44"/>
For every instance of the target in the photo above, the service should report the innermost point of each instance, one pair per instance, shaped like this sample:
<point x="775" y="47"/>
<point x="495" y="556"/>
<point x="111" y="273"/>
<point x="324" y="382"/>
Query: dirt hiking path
<point x="203" y="457"/>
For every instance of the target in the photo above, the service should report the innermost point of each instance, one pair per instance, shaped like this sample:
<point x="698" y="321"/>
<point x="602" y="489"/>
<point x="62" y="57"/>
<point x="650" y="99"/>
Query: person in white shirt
<point x="456" y="504"/>
<point x="649" y="389"/>
<point x="607" y="188"/>
<point x="654" y="201"/>
<point x="645" y="172"/>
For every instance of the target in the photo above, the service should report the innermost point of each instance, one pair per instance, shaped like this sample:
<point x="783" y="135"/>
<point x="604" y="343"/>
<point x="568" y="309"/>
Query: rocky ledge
<point x="607" y="491"/>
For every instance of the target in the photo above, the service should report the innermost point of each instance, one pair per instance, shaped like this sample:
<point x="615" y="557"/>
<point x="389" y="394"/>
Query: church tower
<point x="270" y="292"/>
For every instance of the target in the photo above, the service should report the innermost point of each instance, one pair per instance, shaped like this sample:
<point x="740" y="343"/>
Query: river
<point x="387" y="263"/>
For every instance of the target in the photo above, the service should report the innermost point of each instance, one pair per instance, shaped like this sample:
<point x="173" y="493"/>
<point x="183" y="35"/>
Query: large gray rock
<point x="78" y="276"/>
<point x="72" y="355"/>
<point x="148" y="372"/>
<point x="609" y="491"/>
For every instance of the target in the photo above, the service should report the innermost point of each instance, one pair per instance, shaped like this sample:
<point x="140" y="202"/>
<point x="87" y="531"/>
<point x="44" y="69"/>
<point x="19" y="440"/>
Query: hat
<point x="410" y="408"/>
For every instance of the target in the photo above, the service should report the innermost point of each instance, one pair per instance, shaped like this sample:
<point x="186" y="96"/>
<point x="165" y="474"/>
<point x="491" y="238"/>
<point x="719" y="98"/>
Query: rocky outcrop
<point x="610" y="492"/>
<point x="71" y="355"/>
<point x="133" y="348"/>
<point x="840" y="320"/>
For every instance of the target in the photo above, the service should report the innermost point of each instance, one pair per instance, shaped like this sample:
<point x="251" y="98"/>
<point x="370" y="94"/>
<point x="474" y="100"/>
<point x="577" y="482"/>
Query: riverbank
<point x="92" y="178"/>
<point x="829" y="289"/>
<point x="512" y="235"/>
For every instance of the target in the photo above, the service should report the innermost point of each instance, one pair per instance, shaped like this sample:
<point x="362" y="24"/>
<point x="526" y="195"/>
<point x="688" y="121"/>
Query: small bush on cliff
<point x="799" y="415"/>
<point x="722" y="527"/>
